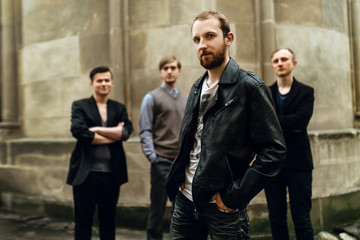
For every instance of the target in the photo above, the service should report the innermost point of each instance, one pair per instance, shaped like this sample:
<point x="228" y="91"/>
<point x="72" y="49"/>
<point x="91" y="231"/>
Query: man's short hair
<point x="101" y="69"/>
<point x="224" y="22"/>
<point x="291" y="51"/>
<point x="168" y="59"/>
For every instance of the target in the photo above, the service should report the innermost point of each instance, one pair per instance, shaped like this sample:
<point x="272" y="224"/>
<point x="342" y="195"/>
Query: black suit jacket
<point x="85" y="114"/>
<point x="297" y="110"/>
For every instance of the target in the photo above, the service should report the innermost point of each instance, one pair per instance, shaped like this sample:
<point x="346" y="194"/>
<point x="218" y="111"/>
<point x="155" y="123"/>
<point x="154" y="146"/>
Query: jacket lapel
<point x="95" y="111"/>
<point x="292" y="94"/>
<point x="110" y="114"/>
<point x="227" y="77"/>
<point x="274" y="89"/>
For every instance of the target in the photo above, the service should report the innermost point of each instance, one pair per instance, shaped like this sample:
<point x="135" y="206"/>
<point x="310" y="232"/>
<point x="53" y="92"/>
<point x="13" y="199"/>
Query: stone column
<point x="8" y="65"/>
<point x="119" y="50"/>
<point x="354" y="7"/>
<point x="266" y="37"/>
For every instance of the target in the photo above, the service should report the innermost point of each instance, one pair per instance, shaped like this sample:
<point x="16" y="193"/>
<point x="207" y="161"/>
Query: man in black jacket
<point x="98" y="164"/>
<point x="231" y="142"/>
<point x="294" y="103"/>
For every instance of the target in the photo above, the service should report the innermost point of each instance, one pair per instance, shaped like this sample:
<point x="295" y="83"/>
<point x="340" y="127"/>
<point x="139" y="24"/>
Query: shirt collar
<point x="172" y="91"/>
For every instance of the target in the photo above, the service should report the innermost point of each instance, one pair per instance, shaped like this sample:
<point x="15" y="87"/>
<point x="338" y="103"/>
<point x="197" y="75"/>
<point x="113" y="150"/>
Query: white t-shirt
<point x="206" y="95"/>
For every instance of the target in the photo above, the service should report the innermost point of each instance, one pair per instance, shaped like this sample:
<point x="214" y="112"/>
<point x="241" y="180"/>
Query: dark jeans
<point x="298" y="184"/>
<point x="97" y="190"/>
<point x="158" y="198"/>
<point x="220" y="225"/>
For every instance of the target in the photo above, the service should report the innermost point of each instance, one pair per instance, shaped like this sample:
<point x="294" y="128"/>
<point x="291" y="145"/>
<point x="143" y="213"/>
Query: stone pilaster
<point x="8" y="73"/>
<point x="354" y="7"/>
<point x="267" y="37"/>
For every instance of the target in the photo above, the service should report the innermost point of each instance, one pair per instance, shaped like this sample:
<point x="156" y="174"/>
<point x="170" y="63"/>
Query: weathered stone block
<point x="340" y="210"/>
<point x="302" y="12"/>
<point x="335" y="155"/>
<point x="3" y="153"/>
<point x="49" y="20"/>
<point x="141" y="11"/>
<point x="181" y="13"/>
<point x="138" y="39"/>
<point x="244" y="47"/>
<point x="94" y="51"/>
<point x="43" y="99"/>
<point x="53" y="59"/>
<point x="237" y="11"/>
<point x="44" y="127"/>
<point x="40" y="152"/>
<point x="335" y="16"/>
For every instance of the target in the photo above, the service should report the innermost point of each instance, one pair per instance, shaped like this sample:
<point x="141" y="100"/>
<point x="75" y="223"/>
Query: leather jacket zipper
<point x="228" y="165"/>
<point x="227" y="104"/>
<point x="213" y="102"/>
<point x="196" y="213"/>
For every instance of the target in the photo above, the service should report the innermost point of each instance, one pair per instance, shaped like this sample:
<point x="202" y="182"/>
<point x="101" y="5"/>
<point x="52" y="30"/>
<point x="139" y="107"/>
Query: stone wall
<point x="57" y="43"/>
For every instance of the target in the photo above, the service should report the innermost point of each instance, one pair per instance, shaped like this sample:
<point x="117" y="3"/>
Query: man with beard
<point x="231" y="142"/>
<point x="294" y="103"/>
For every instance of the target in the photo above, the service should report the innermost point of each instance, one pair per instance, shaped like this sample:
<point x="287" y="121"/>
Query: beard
<point x="216" y="60"/>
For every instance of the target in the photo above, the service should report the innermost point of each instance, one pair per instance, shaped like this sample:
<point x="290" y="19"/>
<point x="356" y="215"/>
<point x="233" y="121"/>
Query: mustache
<point x="205" y="53"/>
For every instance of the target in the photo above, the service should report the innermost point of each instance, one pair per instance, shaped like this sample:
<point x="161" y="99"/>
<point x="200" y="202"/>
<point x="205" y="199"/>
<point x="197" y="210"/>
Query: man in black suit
<point x="98" y="164"/>
<point x="294" y="103"/>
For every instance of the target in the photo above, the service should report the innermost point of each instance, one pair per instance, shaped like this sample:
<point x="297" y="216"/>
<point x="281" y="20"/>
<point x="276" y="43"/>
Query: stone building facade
<point x="48" y="47"/>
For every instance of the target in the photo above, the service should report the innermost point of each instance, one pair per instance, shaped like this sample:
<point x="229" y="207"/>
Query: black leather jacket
<point x="240" y="125"/>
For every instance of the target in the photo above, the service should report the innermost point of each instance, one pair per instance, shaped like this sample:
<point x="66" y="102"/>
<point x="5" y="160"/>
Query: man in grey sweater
<point x="162" y="111"/>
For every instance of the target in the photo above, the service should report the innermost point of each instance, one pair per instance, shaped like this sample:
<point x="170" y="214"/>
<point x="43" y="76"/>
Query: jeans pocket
<point x="227" y="225"/>
<point x="214" y="205"/>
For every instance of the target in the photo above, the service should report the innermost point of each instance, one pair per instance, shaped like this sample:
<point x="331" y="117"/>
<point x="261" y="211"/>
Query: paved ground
<point x="14" y="226"/>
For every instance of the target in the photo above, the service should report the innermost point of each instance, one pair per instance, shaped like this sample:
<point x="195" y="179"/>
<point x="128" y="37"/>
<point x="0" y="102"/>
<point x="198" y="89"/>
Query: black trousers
<point x="158" y="198"/>
<point x="298" y="184"/>
<point x="99" y="191"/>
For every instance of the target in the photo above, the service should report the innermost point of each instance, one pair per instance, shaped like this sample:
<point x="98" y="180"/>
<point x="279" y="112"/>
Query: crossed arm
<point x="106" y="135"/>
